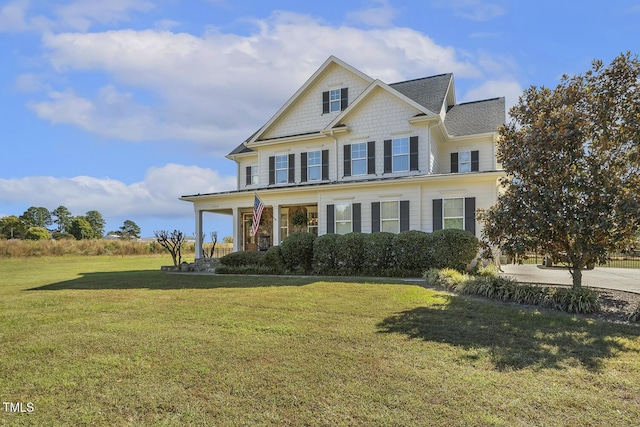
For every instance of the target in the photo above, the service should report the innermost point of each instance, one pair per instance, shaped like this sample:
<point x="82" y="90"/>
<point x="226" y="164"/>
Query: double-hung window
<point x="400" y="153"/>
<point x="390" y="216"/>
<point x="453" y="213"/>
<point x="464" y="161"/>
<point x="334" y="100"/>
<point x="314" y="165"/>
<point x="282" y="169"/>
<point x="254" y="175"/>
<point x="359" y="159"/>
<point x="343" y="218"/>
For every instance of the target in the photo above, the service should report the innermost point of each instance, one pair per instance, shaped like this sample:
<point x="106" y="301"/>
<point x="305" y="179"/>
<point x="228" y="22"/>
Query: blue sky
<point x="122" y="106"/>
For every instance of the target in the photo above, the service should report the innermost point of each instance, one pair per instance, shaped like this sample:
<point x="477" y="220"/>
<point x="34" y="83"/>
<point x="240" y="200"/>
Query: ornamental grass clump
<point x="571" y="300"/>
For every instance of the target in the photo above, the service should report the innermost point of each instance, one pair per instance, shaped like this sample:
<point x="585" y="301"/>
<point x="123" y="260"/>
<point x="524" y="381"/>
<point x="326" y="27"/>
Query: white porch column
<point x="275" y="238"/>
<point x="237" y="230"/>
<point x="198" y="235"/>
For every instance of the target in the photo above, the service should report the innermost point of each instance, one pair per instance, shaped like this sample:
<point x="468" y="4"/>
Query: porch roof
<point x="364" y="181"/>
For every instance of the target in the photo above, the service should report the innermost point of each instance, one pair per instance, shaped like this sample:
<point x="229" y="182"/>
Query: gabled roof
<point x="427" y="91"/>
<point x="330" y="61"/>
<point x="475" y="117"/>
<point x="379" y="84"/>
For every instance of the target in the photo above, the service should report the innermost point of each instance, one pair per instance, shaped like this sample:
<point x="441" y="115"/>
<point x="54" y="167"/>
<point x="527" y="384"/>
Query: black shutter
<point x="325" y="165"/>
<point x="356" y="224"/>
<point x="375" y="217"/>
<point x="470" y="214"/>
<point x="347" y="160"/>
<point x="387" y="156"/>
<point x="437" y="214"/>
<point x="371" y="157"/>
<point x="454" y="162"/>
<point x="413" y="153"/>
<point x="292" y="168"/>
<point x="248" y="176"/>
<point x="303" y="167"/>
<point x="331" y="219"/>
<point x="272" y="170"/>
<point x="325" y="102"/>
<point x="344" y="98"/>
<point x="475" y="161"/>
<point x="404" y="215"/>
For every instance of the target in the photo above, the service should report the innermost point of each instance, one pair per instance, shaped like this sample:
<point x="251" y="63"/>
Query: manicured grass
<point x="112" y="341"/>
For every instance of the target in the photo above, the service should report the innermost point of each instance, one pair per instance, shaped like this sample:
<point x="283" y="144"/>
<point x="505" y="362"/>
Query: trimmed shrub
<point x="244" y="269"/>
<point x="453" y="248"/>
<point x="238" y="259"/>
<point x="297" y="251"/>
<point x="413" y="253"/>
<point x="37" y="233"/>
<point x="581" y="300"/>
<point x="351" y="253"/>
<point x="273" y="259"/>
<point x="325" y="253"/>
<point x="378" y="254"/>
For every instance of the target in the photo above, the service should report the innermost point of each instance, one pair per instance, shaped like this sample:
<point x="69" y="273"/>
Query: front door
<point x="249" y="241"/>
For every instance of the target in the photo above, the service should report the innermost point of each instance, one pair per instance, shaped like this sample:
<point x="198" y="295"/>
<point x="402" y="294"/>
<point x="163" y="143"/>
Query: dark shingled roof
<point x="429" y="92"/>
<point x="475" y="117"/>
<point x="461" y="119"/>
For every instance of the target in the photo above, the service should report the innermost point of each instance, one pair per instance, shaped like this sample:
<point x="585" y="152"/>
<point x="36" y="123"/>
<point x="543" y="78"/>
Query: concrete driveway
<point x="624" y="279"/>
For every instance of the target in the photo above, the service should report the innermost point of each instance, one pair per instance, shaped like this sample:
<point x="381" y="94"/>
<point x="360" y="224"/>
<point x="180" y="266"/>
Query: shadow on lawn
<point x="511" y="338"/>
<point x="156" y="280"/>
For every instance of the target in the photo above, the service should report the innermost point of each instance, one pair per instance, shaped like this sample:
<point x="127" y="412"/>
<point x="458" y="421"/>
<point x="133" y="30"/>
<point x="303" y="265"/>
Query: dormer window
<point x="335" y="100"/>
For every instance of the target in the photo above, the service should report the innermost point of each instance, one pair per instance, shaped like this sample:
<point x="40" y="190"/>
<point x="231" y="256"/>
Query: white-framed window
<point x="334" y="100"/>
<point x="282" y="169"/>
<point x="284" y="225"/>
<point x="343" y="218"/>
<point x="359" y="159"/>
<point x="254" y="175"/>
<point x="314" y="165"/>
<point x="453" y="213"/>
<point x="312" y="221"/>
<point x="400" y="153"/>
<point x="464" y="161"/>
<point x="390" y="216"/>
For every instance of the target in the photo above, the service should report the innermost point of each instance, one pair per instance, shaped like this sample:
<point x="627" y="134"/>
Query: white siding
<point x="306" y="114"/>
<point x="484" y="147"/>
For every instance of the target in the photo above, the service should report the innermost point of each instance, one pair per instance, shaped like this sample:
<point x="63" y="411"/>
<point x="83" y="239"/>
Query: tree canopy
<point x="128" y="231"/>
<point x="572" y="159"/>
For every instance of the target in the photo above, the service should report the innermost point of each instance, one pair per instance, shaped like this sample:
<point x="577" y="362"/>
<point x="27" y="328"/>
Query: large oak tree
<point x="572" y="158"/>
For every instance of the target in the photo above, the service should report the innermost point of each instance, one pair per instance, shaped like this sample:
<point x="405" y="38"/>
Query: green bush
<point x="325" y="253"/>
<point x="412" y="250"/>
<point x="273" y="259"/>
<point x="351" y="253"/>
<point x="37" y="233"/>
<point x="453" y="248"/>
<point x="581" y="300"/>
<point x="239" y="259"/>
<point x="378" y="254"/>
<point x="58" y="235"/>
<point x="297" y="251"/>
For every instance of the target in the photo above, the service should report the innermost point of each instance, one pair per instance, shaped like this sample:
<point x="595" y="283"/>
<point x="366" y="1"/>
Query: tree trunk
<point x="576" y="273"/>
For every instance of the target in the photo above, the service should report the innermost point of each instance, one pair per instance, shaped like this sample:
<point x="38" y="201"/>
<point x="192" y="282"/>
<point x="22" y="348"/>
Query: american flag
<point x="258" y="207"/>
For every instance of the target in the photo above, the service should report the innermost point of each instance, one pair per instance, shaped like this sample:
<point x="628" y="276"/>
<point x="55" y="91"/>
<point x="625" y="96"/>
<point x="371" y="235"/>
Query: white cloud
<point x="220" y="87"/>
<point x="157" y="195"/>
<point x="381" y="14"/>
<point x="82" y="14"/>
<point x="475" y="10"/>
<point x="13" y="16"/>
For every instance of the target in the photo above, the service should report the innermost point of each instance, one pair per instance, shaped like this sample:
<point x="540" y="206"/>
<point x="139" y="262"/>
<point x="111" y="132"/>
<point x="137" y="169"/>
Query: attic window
<point x="335" y="100"/>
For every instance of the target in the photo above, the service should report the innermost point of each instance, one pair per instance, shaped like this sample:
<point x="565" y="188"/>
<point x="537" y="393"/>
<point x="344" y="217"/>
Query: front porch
<point x="277" y="222"/>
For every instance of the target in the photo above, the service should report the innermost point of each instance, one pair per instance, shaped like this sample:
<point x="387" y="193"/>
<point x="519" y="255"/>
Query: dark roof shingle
<point x="475" y="117"/>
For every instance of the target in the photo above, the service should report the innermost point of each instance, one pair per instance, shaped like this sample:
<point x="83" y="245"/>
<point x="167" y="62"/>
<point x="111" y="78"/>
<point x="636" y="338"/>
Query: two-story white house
<point x="353" y="153"/>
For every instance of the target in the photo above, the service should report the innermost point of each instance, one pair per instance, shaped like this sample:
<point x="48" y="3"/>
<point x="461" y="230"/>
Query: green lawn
<point x="112" y="341"/>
